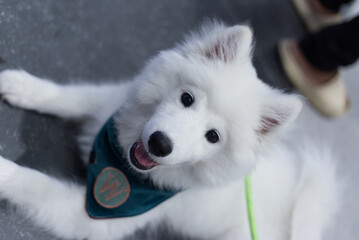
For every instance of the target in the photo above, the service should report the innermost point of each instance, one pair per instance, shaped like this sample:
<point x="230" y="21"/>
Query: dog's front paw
<point x="20" y="89"/>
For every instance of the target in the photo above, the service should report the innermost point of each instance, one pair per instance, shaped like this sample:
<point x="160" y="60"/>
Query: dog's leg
<point x="52" y="204"/>
<point x="57" y="206"/>
<point x="23" y="90"/>
<point x="317" y="196"/>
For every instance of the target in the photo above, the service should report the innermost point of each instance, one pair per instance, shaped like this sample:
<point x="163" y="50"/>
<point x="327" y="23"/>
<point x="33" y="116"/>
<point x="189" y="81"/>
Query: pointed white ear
<point x="216" y="41"/>
<point x="279" y="111"/>
<point x="229" y="44"/>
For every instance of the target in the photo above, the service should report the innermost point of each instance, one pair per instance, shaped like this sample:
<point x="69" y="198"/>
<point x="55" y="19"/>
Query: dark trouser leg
<point x="334" y="4"/>
<point x="333" y="46"/>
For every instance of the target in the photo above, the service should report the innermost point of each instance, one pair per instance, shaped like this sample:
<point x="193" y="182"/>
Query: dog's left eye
<point x="187" y="99"/>
<point x="212" y="136"/>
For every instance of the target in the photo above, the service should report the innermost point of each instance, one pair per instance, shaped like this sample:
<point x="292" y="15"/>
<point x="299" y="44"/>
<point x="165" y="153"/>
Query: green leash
<point x="250" y="208"/>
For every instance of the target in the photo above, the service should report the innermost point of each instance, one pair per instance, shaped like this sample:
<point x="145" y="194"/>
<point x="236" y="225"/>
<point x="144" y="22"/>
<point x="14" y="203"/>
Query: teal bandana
<point x="113" y="188"/>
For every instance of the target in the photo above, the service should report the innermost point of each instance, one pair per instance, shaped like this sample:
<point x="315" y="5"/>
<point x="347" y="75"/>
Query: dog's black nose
<point x="159" y="144"/>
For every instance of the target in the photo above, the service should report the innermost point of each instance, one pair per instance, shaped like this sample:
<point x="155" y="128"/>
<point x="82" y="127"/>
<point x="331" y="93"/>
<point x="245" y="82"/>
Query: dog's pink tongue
<point x="142" y="156"/>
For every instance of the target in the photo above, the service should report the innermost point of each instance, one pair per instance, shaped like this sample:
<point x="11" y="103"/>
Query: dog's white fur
<point x="294" y="189"/>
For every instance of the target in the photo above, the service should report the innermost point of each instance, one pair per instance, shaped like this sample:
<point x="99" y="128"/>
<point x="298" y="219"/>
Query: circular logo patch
<point x="111" y="188"/>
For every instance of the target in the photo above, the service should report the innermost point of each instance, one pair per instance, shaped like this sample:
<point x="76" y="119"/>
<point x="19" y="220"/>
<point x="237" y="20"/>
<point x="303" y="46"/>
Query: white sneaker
<point x="329" y="98"/>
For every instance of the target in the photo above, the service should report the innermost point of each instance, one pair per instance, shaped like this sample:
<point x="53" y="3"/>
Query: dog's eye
<point x="212" y="136"/>
<point x="187" y="99"/>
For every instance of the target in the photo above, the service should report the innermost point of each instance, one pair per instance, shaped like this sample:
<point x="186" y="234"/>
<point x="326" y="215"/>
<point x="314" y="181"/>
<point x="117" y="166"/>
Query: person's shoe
<point x="312" y="18"/>
<point x="329" y="98"/>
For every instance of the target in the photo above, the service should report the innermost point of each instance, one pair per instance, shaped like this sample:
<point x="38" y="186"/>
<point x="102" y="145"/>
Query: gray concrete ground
<point x="95" y="41"/>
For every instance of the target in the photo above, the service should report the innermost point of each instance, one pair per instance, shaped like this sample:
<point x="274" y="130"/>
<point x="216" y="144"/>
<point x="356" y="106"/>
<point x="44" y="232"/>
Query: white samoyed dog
<point x="196" y="121"/>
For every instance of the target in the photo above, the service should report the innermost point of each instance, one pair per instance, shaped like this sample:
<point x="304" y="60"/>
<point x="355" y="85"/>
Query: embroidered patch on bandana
<point x="111" y="188"/>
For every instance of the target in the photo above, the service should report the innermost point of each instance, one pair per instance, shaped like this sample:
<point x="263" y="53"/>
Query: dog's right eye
<point x="187" y="99"/>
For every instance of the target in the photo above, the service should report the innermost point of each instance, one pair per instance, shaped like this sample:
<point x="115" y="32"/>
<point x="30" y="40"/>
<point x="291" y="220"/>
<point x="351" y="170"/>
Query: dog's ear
<point x="215" y="41"/>
<point x="230" y="44"/>
<point x="278" y="112"/>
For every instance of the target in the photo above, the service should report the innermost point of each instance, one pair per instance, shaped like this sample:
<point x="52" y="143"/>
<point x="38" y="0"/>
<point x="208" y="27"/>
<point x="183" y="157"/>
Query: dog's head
<point x="198" y="114"/>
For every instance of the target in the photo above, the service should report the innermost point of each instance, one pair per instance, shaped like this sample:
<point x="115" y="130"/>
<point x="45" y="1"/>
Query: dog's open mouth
<point x="140" y="158"/>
